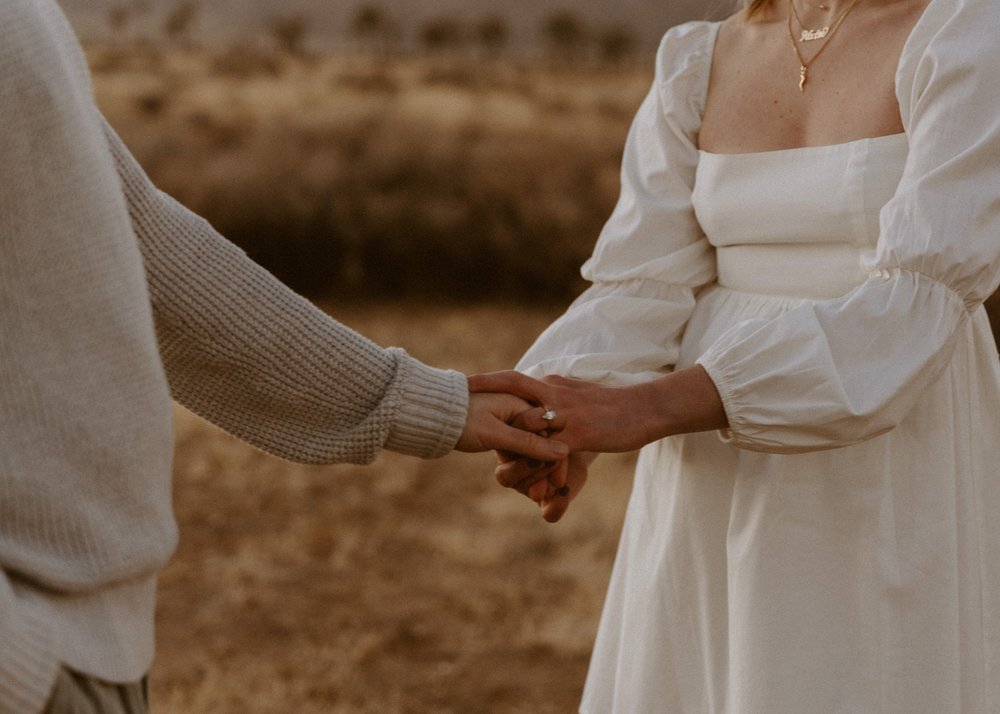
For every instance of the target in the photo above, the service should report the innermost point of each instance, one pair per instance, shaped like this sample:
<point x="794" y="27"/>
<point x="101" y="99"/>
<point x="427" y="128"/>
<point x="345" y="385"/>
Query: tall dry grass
<point x="419" y="177"/>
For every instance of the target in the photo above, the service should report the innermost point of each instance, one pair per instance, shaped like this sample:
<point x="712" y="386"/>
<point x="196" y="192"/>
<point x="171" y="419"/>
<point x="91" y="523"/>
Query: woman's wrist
<point x="681" y="402"/>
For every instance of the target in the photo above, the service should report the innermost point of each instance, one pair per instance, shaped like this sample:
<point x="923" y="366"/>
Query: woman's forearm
<point x="681" y="402"/>
<point x="590" y="417"/>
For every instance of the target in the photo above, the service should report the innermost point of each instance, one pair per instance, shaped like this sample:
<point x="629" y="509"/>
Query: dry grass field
<point x="406" y="586"/>
<point x="421" y="176"/>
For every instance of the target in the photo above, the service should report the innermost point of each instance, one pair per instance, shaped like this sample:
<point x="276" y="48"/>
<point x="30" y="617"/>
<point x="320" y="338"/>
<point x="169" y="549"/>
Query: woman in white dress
<point x="807" y="230"/>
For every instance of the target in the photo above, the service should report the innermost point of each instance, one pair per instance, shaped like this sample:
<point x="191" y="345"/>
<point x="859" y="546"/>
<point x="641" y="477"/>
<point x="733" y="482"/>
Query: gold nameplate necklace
<point x="807" y="35"/>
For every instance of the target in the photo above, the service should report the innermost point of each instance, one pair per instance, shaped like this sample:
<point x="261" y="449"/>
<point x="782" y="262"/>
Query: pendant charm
<point x="810" y="35"/>
<point x="803" y="70"/>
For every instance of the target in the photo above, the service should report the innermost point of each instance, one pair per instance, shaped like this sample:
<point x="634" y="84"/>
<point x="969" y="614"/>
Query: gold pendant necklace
<point x="828" y="34"/>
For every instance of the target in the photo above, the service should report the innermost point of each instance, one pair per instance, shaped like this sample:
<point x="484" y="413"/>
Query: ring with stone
<point x="549" y="415"/>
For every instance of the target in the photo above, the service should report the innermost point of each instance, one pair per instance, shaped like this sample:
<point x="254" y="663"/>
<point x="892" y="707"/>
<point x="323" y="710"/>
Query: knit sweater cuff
<point x="28" y="664"/>
<point x="432" y="411"/>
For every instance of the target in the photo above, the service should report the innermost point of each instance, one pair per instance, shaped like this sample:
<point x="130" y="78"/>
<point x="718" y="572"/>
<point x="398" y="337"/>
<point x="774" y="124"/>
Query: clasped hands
<point x="547" y="432"/>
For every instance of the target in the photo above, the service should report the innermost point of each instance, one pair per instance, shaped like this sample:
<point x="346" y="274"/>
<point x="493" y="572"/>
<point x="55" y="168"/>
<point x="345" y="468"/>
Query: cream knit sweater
<point x="113" y="298"/>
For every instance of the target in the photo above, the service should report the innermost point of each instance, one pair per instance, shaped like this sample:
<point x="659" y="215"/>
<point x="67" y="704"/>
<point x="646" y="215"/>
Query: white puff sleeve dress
<point x="838" y="548"/>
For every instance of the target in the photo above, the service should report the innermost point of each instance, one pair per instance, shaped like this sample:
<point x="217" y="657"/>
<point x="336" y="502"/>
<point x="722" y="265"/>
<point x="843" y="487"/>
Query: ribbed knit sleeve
<point x="263" y="363"/>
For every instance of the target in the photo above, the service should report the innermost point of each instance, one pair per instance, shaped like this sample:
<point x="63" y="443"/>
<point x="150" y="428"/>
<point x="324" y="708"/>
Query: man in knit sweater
<point x="113" y="299"/>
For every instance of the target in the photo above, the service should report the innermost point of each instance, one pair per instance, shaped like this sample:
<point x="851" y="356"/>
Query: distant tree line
<point x="564" y="34"/>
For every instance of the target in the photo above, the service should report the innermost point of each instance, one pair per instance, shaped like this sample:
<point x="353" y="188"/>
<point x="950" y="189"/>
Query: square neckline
<point x="713" y="40"/>
<point x="899" y="136"/>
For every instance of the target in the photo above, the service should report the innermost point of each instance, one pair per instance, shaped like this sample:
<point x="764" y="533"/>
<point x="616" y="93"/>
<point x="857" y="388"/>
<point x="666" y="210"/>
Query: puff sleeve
<point x="837" y="372"/>
<point x="651" y="257"/>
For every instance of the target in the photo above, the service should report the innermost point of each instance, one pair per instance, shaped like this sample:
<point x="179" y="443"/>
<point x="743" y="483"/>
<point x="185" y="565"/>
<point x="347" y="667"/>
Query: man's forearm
<point x="262" y="362"/>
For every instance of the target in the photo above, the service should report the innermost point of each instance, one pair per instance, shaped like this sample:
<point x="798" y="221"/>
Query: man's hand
<point x="489" y="426"/>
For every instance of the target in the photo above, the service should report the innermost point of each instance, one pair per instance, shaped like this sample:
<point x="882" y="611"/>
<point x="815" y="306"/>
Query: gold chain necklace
<point x="828" y="35"/>
<point x="807" y="35"/>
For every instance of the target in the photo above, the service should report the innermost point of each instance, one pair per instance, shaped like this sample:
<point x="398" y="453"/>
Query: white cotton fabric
<point x="836" y="550"/>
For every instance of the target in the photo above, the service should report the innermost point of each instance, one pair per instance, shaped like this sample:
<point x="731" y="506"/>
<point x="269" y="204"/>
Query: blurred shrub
<point x="241" y="62"/>
<point x="565" y="34"/>
<point x="374" y="28"/>
<point x="442" y="33"/>
<point x="179" y="20"/>
<point x="616" y="43"/>
<point x="151" y="103"/>
<point x="493" y="33"/>
<point x="288" y="33"/>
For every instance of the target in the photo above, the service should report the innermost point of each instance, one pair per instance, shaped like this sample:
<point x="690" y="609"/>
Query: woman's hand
<point x="590" y="417"/>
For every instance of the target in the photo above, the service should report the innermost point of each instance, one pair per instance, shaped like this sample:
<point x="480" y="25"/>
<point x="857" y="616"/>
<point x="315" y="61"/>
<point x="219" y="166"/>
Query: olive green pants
<point x="76" y="693"/>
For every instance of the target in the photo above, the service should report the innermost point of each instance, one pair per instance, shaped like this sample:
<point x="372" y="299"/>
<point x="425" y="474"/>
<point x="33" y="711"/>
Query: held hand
<point x="552" y="486"/>
<point x="530" y="477"/>
<point x="489" y="426"/>
<point x="591" y="418"/>
<point x="556" y="501"/>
